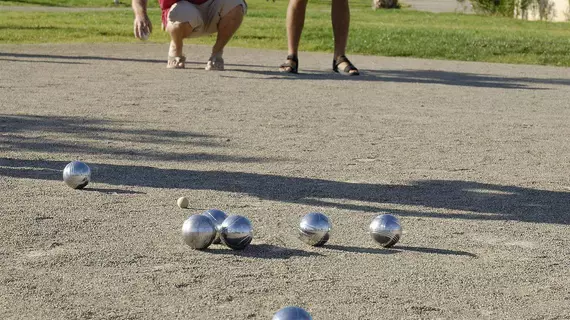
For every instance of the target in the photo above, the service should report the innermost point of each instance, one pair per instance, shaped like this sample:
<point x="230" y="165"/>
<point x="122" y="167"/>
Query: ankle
<point x="175" y="51"/>
<point x="217" y="55"/>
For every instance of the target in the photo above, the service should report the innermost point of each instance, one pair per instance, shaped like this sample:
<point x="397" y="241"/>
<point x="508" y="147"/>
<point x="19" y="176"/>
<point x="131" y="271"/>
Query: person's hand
<point x="143" y="27"/>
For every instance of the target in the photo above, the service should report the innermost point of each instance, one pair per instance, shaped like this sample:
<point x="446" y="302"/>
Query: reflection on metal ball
<point x="292" y="313"/>
<point x="236" y="232"/>
<point x="77" y="174"/>
<point x="217" y="217"/>
<point x="198" y="231"/>
<point x="386" y="230"/>
<point x="314" y="229"/>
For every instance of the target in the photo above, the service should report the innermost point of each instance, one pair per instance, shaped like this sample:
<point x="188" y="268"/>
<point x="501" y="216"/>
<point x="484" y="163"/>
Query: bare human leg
<point x="227" y="26"/>
<point x="178" y="31"/>
<point x="295" y="23"/>
<point x="340" y="16"/>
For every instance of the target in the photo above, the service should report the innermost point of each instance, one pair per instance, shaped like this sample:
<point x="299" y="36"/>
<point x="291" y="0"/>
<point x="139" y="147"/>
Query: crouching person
<point x="192" y="18"/>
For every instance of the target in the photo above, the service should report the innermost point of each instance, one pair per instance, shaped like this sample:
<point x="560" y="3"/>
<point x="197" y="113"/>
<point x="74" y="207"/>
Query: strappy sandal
<point x="176" y="62"/>
<point x="347" y="70"/>
<point x="215" y="63"/>
<point x="292" y="63"/>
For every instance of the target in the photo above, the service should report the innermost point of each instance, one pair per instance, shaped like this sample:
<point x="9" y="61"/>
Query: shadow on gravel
<point x="58" y="59"/>
<point x="39" y="3"/>
<point x="122" y="140"/>
<point x="69" y="57"/>
<point x="112" y="191"/>
<point x="397" y="249"/>
<point x="360" y="249"/>
<point x="264" y="251"/>
<point x="461" y="79"/>
<point x="42" y="61"/>
<point x="418" y="76"/>
<point x="435" y="251"/>
<point x="459" y="199"/>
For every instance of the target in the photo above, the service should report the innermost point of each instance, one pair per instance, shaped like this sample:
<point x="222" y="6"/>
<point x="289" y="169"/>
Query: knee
<point x="237" y="12"/>
<point x="182" y="28"/>
<point x="300" y="4"/>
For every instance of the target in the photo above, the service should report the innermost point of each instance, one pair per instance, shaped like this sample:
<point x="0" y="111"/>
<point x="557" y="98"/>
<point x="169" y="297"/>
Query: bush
<point x="504" y="8"/>
<point x="510" y="8"/>
<point x="385" y="4"/>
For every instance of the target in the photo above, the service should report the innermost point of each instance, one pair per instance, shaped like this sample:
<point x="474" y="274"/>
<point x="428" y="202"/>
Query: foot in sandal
<point x="176" y="62"/>
<point x="343" y="66"/>
<point x="291" y="65"/>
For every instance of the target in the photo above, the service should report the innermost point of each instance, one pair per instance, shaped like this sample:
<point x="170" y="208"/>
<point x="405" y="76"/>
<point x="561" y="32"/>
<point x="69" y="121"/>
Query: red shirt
<point x="166" y="4"/>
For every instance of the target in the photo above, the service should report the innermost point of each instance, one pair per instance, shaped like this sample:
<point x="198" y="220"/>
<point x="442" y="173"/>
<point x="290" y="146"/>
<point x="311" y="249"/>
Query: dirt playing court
<point x="473" y="158"/>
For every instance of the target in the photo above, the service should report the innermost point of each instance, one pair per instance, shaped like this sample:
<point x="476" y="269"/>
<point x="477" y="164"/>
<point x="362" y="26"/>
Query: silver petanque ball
<point x="77" y="174"/>
<point x="198" y="231"/>
<point x="315" y="229"/>
<point x="386" y="230"/>
<point x="236" y="232"/>
<point x="217" y="217"/>
<point x="292" y="313"/>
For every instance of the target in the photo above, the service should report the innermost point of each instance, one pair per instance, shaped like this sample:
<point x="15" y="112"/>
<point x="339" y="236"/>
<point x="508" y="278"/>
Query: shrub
<point x="385" y="4"/>
<point x="511" y="8"/>
<point x="504" y="8"/>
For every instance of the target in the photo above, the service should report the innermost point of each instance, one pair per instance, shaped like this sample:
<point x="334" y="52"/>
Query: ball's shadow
<point x="111" y="191"/>
<point x="262" y="251"/>
<point x="435" y="251"/>
<point x="360" y="249"/>
<point x="398" y="249"/>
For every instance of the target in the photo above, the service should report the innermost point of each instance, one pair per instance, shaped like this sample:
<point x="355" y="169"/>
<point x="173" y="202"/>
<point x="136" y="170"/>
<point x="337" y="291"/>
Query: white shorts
<point x="203" y="18"/>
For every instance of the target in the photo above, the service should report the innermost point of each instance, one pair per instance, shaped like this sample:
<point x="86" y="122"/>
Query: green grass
<point x="382" y="32"/>
<point x="73" y="3"/>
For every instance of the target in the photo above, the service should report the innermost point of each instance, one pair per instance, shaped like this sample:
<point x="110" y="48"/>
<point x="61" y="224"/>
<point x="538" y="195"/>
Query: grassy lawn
<point x="72" y="3"/>
<point x="382" y="32"/>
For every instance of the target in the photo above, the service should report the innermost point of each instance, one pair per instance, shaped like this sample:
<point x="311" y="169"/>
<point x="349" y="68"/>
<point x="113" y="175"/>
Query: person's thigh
<point x="214" y="10"/>
<point x="184" y="11"/>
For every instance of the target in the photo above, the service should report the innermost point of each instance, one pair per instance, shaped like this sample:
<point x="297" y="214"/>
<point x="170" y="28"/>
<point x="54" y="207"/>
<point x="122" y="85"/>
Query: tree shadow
<point x="460" y="199"/>
<point x="103" y="58"/>
<point x="417" y="76"/>
<point x="105" y="137"/>
<point x="264" y="251"/>
<point x="42" y="61"/>
<point x="448" y="78"/>
<point x="70" y="57"/>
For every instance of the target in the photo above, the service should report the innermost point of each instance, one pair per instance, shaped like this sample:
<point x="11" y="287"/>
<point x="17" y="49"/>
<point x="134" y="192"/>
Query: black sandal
<point x="347" y="70"/>
<point x="292" y="63"/>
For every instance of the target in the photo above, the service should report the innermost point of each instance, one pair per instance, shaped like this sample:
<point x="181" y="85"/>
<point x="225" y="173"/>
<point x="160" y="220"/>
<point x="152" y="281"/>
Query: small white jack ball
<point x="183" y="202"/>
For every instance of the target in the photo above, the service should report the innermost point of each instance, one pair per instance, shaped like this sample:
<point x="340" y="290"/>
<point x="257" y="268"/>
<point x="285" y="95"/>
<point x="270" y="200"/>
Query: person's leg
<point x="227" y="26"/>
<point x="294" y="23"/>
<point x="183" y="19"/>
<point x="178" y="31"/>
<point x="223" y="17"/>
<point x="340" y="16"/>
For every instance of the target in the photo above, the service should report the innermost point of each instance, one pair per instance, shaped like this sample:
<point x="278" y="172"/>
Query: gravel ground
<point x="472" y="157"/>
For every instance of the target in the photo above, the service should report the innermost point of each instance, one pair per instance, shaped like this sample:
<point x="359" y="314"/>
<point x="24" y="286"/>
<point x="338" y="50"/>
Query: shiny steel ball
<point x="386" y="230"/>
<point x="217" y="217"/>
<point x="315" y="229"/>
<point x="77" y="174"/>
<point x="292" y="313"/>
<point x="236" y="232"/>
<point x="198" y="232"/>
